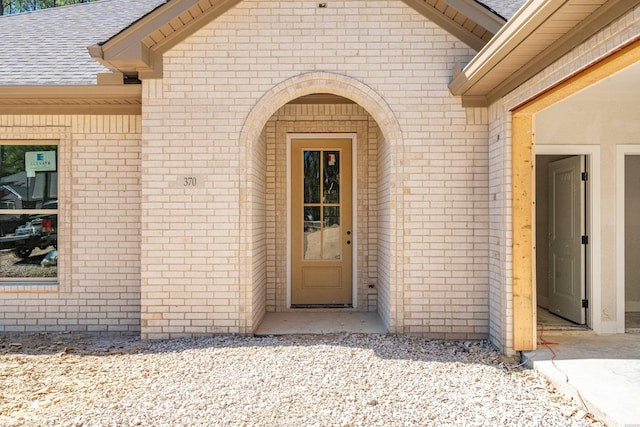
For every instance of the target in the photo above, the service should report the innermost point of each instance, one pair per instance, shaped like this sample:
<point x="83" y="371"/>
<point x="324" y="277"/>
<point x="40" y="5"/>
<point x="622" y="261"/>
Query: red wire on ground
<point x="548" y="344"/>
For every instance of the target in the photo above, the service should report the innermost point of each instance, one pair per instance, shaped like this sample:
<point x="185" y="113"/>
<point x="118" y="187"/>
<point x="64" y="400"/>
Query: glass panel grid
<point x="322" y="228"/>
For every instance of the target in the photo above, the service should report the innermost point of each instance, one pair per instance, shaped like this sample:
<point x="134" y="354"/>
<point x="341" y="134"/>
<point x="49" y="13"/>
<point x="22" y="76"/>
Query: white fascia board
<point x="533" y="14"/>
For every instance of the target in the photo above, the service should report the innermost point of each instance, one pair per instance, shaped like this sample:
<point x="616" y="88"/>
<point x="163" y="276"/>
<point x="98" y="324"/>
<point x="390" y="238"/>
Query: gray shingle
<point x="504" y="8"/>
<point x="49" y="47"/>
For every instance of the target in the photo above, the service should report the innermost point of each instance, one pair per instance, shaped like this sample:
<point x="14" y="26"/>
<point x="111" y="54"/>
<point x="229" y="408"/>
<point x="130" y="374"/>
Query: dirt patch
<point x="46" y="343"/>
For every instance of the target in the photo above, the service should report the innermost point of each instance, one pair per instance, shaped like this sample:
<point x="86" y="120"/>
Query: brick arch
<point x="249" y="141"/>
<point x="320" y="82"/>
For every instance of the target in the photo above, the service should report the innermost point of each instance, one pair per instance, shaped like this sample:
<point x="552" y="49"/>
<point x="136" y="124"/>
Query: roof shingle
<point x="49" y="47"/>
<point x="504" y="8"/>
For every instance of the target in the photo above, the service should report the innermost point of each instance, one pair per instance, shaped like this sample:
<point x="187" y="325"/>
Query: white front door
<point x="566" y="228"/>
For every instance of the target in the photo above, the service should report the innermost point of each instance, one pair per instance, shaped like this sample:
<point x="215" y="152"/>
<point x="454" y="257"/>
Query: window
<point x="28" y="211"/>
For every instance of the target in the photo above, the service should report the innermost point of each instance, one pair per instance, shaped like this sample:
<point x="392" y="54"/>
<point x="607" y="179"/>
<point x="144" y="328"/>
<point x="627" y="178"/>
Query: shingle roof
<point x="49" y="47"/>
<point x="504" y="8"/>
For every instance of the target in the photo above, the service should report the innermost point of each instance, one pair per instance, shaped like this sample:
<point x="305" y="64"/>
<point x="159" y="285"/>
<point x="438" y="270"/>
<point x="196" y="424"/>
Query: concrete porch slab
<point x="314" y="322"/>
<point x="603" y="371"/>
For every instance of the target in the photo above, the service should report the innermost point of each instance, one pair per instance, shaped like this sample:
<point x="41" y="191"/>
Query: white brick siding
<point x="426" y="174"/>
<point x="139" y="252"/>
<point x="99" y="228"/>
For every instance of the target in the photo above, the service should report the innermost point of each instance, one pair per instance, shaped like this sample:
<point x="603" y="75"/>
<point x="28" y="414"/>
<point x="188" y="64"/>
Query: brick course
<point x="99" y="228"/>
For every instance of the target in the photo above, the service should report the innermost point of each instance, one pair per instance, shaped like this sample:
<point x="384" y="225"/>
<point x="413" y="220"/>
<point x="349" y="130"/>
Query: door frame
<point x="354" y="206"/>
<point x="621" y="152"/>
<point x="593" y="227"/>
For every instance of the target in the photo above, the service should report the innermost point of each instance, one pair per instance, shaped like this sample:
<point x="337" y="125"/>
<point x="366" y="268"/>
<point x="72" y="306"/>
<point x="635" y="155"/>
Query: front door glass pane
<point x="331" y="233"/>
<point x="322" y="231"/>
<point x="331" y="178"/>
<point x="312" y="233"/>
<point x="312" y="177"/>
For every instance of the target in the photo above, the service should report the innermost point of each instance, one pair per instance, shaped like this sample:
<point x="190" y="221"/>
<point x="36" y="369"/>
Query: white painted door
<point x="566" y="228"/>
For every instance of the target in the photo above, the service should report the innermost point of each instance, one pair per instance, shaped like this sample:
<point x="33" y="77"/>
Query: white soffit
<point x="537" y="35"/>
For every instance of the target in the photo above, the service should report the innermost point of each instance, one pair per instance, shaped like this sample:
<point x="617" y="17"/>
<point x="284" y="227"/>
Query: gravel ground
<point x="339" y="380"/>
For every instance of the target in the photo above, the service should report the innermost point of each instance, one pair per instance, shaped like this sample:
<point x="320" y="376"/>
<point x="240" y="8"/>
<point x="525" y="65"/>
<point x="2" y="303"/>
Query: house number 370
<point x="189" y="181"/>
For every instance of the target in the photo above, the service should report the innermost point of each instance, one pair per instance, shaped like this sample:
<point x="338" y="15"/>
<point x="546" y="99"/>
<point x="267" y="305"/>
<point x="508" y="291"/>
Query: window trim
<point x="28" y="283"/>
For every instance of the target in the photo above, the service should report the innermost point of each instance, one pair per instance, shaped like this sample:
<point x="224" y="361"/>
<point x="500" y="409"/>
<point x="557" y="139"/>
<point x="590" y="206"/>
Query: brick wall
<point x="191" y="256"/>
<point x="428" y="253"/>
<point x="139" y="250"/>
<point x="445" y="187"/>
<point x="98" y="285"/>
<point x="259" y="221"/>
<point x="386" y="301"/>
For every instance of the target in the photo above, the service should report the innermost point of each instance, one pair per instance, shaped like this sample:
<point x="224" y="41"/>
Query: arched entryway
<point x="329" y="106"/>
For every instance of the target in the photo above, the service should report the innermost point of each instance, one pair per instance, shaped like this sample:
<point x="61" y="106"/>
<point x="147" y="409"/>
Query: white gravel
<point x="339" y="380"/>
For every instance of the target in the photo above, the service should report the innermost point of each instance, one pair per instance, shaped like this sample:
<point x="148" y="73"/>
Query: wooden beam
<point x="523" y="238"/>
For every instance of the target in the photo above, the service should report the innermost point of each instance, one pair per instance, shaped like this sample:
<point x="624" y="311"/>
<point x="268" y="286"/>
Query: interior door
<point x="566" y="228"/>
<point x="321" y="220"/>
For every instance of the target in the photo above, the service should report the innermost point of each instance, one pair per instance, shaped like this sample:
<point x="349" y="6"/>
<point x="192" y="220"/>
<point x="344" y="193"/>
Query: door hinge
<point x="585" y="303"/>
<point x="585" y="240"/>
<point x="584" y="176"/>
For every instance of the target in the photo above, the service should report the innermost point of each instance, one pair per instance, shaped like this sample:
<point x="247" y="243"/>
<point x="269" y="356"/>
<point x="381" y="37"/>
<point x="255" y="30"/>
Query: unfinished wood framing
<point x="524" y="327"/>
<point x="523" y="186"/>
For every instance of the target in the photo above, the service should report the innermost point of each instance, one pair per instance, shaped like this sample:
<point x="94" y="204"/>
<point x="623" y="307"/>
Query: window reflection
<point x="331" y="178"/>
<point x="312" y="176"/>
<point x="331" y="233"/>
<point x="322" y="231"/>
<point x="312" y="233"/>
<point x="28" y="211"/>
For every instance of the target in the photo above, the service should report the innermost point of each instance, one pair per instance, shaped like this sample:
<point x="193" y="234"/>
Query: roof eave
<point x="522" y="26"/>
<point x="138" y="49"/>
<point x="128" y="66"/>
<point x="86" y="99"/>
<point x="478" y="14"/>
